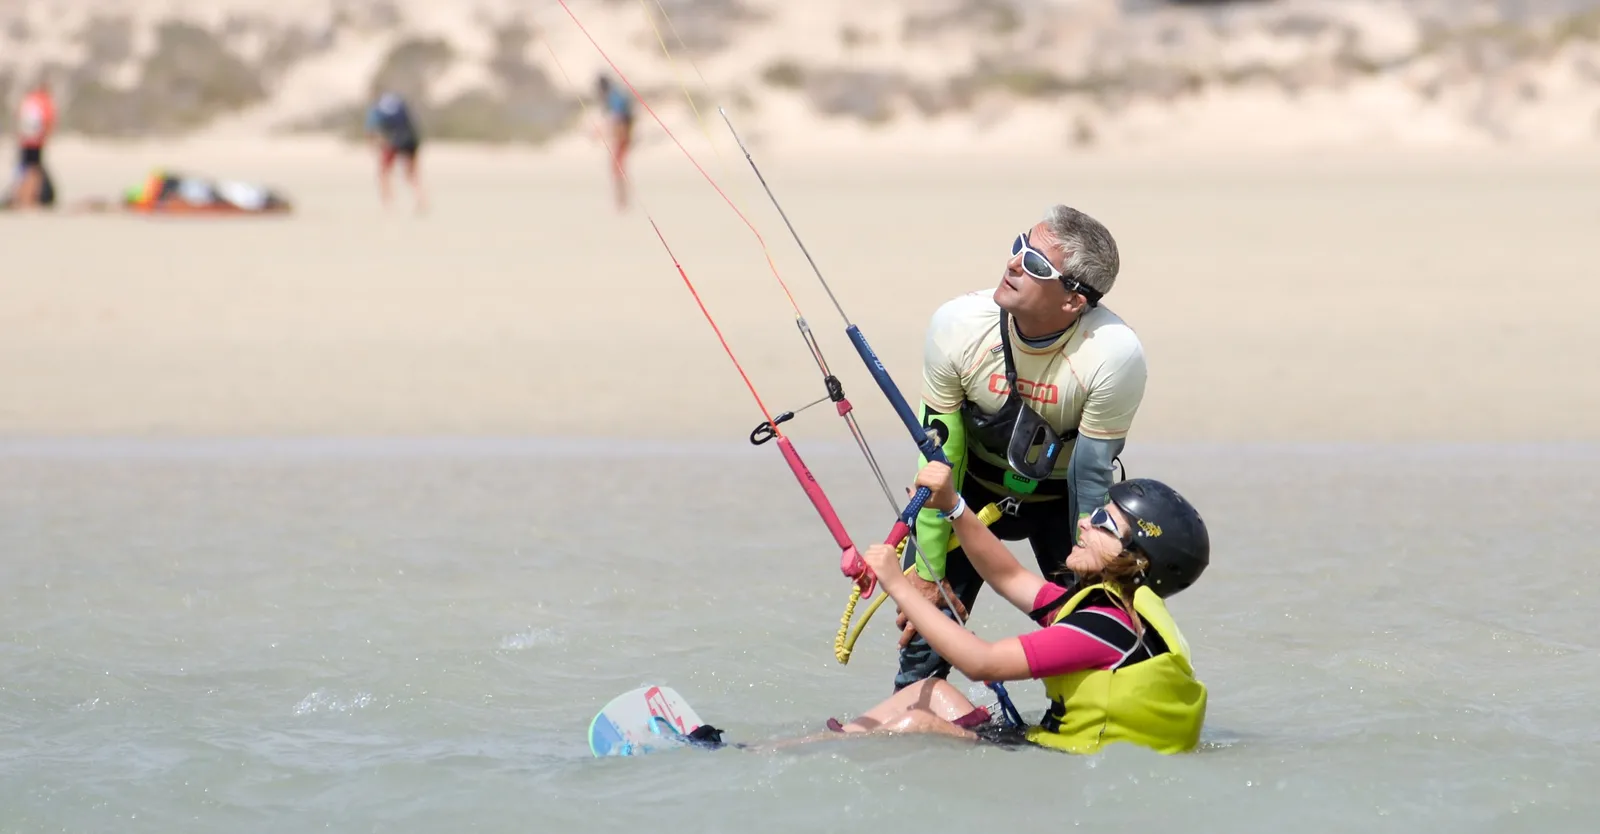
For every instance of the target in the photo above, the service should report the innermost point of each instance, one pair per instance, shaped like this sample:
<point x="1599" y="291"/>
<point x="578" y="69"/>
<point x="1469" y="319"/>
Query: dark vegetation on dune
<point x="189" y="79"/>
<point x="523" y="104"/>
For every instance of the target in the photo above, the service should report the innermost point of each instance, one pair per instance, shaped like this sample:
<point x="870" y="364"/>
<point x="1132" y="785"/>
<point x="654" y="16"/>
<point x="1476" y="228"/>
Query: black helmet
<point x="1168" y="530"/>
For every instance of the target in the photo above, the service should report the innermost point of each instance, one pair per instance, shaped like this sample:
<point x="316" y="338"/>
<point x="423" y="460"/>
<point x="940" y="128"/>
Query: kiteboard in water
<point x="647" y="719"/>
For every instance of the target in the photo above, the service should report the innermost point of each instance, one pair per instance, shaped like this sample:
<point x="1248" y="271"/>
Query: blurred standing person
<point x="36" y="120"/>
<point x="619" y="134"/>
<point x="395" y="133"/>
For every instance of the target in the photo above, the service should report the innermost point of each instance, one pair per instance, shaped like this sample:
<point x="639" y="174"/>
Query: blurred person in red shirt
<point x="36" y="120"/>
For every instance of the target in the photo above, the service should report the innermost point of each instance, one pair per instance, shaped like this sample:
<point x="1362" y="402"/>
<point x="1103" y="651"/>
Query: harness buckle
<point x="1009" y="505"/>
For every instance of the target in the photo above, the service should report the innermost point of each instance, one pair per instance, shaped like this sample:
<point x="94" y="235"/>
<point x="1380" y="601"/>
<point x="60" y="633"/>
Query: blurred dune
<point x="903" y="75"/>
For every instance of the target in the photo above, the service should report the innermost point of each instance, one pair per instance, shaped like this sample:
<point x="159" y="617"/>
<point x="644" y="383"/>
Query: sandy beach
<point x="1376" y="296"/>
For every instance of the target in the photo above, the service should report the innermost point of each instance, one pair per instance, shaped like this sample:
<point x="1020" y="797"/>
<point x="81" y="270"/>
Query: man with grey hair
<point x="1030" y="389"/>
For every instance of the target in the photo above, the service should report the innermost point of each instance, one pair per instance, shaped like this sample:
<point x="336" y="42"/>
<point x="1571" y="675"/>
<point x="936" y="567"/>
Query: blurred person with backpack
<point x="395" y="133"/>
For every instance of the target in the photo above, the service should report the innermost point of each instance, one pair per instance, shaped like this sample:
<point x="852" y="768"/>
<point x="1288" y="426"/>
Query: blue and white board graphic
<point x="637" y="722"/>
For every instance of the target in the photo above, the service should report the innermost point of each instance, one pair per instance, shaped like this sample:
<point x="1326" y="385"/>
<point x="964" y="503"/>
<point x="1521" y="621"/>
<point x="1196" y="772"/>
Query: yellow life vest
<point x="1157" y="702"/>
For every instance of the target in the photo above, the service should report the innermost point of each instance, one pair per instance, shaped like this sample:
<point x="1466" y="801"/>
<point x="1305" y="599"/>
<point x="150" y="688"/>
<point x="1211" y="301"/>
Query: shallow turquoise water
<point x="408" y="635"/>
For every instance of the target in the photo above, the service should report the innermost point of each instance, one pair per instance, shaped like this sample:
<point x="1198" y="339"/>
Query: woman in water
<point x="1112" y="661"/>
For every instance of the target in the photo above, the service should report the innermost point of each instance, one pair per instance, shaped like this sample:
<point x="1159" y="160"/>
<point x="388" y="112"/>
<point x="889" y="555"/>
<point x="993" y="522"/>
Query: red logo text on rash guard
<point x="1026" y="388"/>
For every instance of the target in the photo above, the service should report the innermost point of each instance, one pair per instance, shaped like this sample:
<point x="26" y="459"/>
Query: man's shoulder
<point x="1110" y="337"/>
<point x="968" y="310"/>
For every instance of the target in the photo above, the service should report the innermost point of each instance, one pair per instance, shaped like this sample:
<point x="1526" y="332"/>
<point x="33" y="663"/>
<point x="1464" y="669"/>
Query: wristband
<point x="961" y="507"/>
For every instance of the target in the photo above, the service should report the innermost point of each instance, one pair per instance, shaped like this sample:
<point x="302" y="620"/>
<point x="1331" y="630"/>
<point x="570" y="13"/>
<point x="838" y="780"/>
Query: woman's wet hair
<point x="1125" y="570"/>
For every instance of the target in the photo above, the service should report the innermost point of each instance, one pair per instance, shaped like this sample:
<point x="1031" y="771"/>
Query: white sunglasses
<point x="1102" y="518"/>
<point x="1036" y="264"/>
